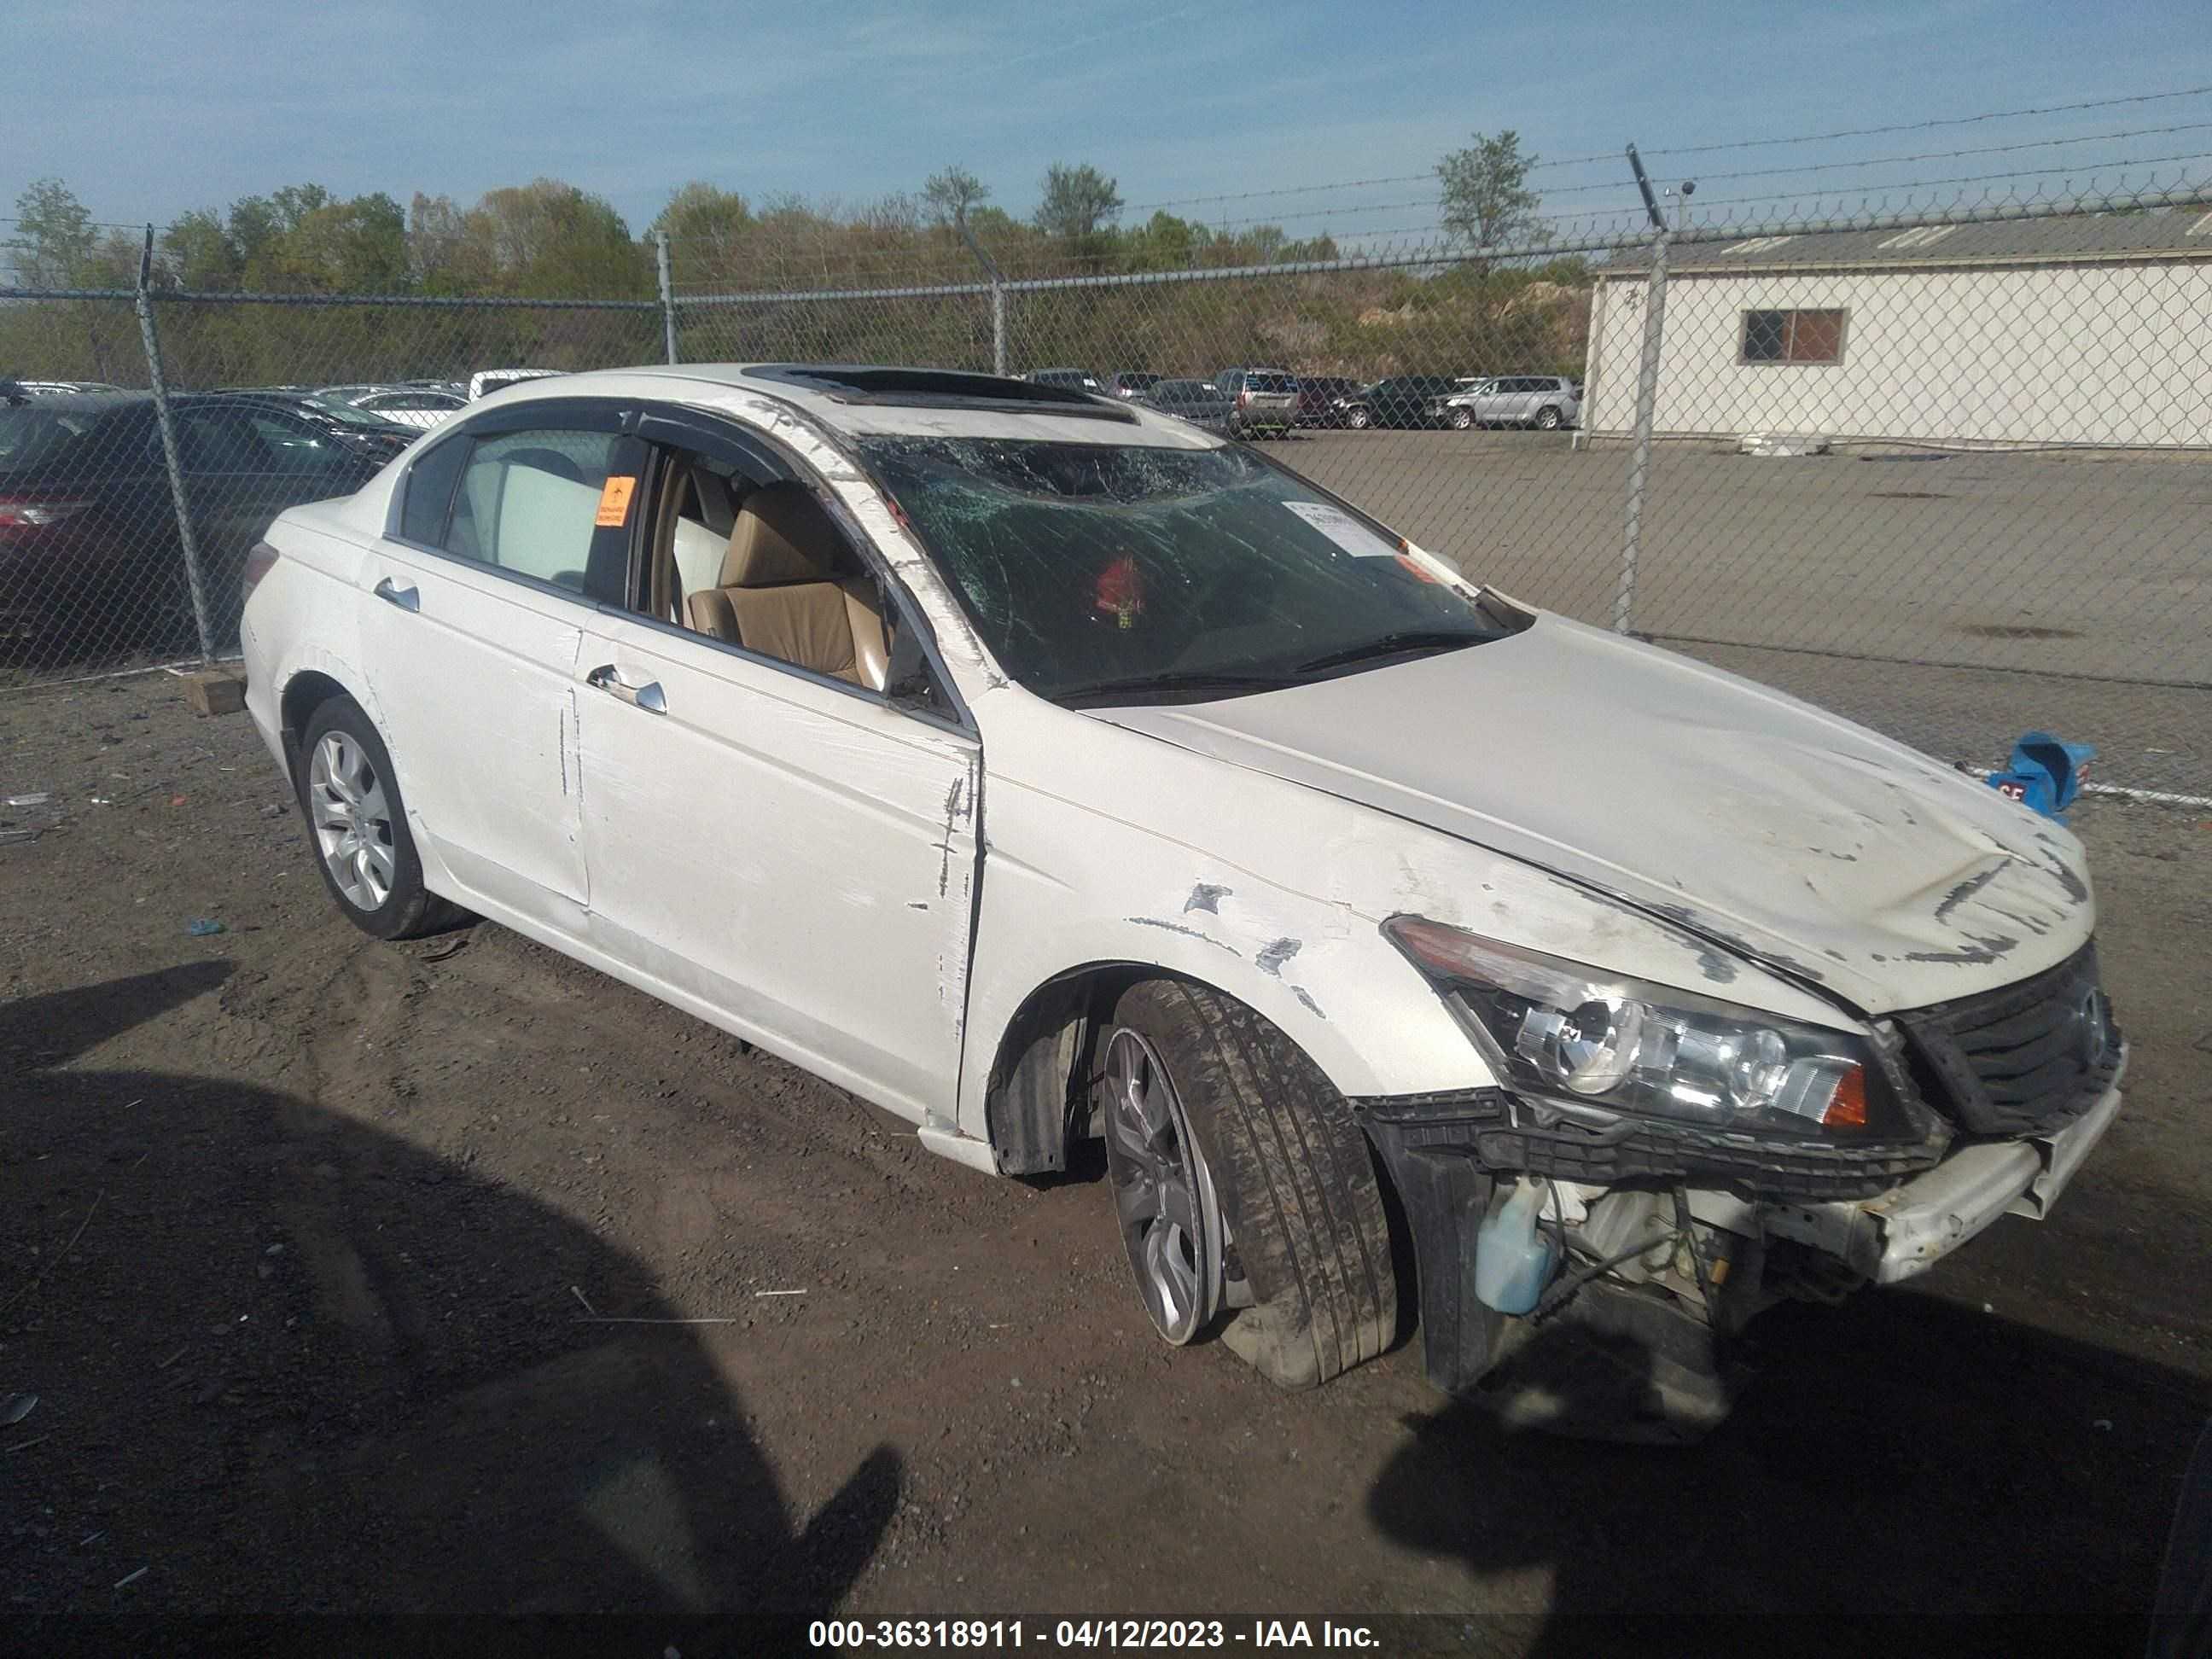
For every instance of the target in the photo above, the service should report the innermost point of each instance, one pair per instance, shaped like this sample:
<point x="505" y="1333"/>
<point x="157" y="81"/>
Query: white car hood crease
<point x="1781" y="831"/>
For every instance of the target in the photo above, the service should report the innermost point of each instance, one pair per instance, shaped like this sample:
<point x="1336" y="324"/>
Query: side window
<point x="530" y="502"/>
<point x="430" y="486"/>
<point x="219" y="441"/>
<point x="293" y="447"/>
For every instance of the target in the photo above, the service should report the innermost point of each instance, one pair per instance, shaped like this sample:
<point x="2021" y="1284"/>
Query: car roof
<point x="877" y="400"/>
<point x="84" y="402"/>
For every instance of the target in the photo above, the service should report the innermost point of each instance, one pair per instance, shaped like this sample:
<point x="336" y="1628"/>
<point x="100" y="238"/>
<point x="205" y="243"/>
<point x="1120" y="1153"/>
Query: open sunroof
<point x="940" y="388"/>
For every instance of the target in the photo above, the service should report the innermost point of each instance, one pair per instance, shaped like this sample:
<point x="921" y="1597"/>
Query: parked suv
<point x="1548" y="401"/>
<point x="1260" y="400"/>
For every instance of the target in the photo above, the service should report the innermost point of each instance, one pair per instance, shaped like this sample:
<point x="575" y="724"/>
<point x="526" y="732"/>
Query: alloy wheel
<point x="1163" y="1196"/>
<point x="352" y="821"/>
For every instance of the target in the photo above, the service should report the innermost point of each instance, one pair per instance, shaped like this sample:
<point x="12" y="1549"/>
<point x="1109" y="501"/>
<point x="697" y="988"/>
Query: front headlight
<point x="1597" y="1045"/>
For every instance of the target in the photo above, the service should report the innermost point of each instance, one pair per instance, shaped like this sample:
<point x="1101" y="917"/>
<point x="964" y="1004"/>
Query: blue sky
<point x="152" y="107"/>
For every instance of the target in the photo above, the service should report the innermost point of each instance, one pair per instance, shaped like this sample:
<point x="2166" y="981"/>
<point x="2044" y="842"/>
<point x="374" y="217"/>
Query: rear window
<point x="1261" y="379"/>
<point x="31" y="436"/>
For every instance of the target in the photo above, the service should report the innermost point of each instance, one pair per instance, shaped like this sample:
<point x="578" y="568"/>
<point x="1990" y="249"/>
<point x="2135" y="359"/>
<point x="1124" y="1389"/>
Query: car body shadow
<point x="292" y="1363"/>
<point x="1901" y="1454"/>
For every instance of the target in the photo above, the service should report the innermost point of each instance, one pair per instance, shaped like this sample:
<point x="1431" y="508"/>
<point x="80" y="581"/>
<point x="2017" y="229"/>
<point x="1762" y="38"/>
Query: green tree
<point x="55" y="240"/>
<point x="198" y="252"/>
<point x="356" y="247"/>
<point x="1488" y="203"/>
<point x="950" y="192"/>
<point x="1077" y="202"/>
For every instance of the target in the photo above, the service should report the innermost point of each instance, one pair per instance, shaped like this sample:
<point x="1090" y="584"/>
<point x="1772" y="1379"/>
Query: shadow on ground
<point x="1897" y="1455"/>
<point x="295" y="1365"/>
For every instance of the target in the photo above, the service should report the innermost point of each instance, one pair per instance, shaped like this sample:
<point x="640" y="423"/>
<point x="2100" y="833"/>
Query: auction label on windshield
<point x="614" y="501"/>
<point x="1346" y="531"/>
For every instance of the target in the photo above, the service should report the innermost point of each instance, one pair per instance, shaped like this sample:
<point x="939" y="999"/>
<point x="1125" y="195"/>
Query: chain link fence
<point x="1941" y="468"/>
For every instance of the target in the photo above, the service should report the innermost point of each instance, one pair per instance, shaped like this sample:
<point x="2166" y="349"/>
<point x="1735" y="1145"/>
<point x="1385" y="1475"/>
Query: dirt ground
<point x="317" y="1254"/>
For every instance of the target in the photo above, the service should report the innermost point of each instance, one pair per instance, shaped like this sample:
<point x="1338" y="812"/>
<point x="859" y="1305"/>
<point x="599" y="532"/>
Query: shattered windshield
<point x="1100" y="573"/>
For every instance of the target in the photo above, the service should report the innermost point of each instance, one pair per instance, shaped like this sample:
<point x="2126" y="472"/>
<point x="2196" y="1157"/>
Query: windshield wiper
<point x="1171" y="682"/>
<point x="1401" y="643"/>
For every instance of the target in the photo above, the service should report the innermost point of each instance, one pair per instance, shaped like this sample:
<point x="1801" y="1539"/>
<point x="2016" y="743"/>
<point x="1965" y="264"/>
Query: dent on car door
<point x="471" y="615"/>
<point x="772" y="842"/>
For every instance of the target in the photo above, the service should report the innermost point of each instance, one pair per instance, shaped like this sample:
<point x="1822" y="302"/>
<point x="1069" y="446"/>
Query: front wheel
<point x="1462" y="419"/>
<point x="1359" y="420"/>
<point x="357" y="825"/>
<point x="1241" y="1182"/>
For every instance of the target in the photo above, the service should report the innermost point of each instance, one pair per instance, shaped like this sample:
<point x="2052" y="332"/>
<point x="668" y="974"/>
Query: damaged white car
<point x="1039" y="767"/>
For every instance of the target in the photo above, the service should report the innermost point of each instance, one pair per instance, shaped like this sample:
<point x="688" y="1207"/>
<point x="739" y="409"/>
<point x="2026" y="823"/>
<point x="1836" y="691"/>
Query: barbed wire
<point x="1546" y="163"/>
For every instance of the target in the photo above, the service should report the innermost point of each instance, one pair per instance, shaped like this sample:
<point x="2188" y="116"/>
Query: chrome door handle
<point x="648" y="697"/>
<point x="391" y="593"/>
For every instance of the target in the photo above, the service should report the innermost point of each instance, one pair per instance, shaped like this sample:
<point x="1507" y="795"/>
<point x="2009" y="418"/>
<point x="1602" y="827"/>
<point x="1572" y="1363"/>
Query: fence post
<point x="1647" y="396"/>
<point x="667" y="295"/>
<point x="998" y="298"/>
<point x="171" y="464"/>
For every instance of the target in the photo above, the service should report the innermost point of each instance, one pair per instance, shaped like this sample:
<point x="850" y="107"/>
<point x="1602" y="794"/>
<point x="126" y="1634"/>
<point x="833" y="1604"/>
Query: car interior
<point x="763" y="565"/>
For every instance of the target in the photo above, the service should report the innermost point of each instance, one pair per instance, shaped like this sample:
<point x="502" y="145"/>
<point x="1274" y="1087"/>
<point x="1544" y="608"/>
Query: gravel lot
<point x="303" y="1239"/>
<point x="2072" y="593"/>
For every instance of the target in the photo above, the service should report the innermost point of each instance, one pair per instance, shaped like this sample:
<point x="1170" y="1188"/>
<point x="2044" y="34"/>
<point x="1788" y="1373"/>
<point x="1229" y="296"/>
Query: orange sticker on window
<point x="614" y="501"/>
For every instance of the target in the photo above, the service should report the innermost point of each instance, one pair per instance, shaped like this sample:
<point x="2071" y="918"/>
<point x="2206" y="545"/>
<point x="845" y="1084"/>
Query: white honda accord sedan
<point x="1041" y="768"/>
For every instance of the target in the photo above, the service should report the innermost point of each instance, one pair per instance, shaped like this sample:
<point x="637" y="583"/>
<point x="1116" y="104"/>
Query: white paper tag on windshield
<point x="1346" y="531"/>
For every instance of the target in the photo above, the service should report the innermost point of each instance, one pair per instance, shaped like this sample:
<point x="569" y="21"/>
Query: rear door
<point x="472" y="607"/>
<point x="786" y="852"/>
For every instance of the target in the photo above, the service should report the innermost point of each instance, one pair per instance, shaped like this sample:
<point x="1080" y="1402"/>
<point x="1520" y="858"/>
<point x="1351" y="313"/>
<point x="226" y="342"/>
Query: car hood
<point x="1773" y="828"/>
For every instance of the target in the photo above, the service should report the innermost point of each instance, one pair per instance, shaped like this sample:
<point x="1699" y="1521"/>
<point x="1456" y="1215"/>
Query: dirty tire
<point x="1296" y="1182"/>
<point x="410" y="910"/>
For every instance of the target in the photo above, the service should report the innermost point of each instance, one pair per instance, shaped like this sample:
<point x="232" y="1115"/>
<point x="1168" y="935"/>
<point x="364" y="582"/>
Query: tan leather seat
<point x="782" y="595"/>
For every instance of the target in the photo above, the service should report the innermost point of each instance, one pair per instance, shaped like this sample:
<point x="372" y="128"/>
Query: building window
<point x="1793" y="336"/>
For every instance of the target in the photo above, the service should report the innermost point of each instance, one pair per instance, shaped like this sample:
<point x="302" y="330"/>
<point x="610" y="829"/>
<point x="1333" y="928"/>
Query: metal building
<point x="2092" y="331"/>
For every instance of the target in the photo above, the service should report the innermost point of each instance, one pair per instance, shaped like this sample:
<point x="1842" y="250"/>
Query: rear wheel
<point x="1359" y="420"/>
<point x="1547" y="418"/>
<point x="357" y="825"/>
<point x="1241" y="1181"/>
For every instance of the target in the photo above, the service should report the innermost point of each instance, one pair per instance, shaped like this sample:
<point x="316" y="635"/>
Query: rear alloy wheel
<point x="358" y="826"/>
<point x="1242" y="1184"/>
<point x="1547" y="419"/>
<point x="1461" y="419"/>
<point x="1359" y="420"/>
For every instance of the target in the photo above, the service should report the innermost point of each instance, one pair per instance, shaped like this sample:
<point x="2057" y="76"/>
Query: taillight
<point x="1244" y="398"/>
<point x="20" y="513"/>
<point x="260" y="562"/>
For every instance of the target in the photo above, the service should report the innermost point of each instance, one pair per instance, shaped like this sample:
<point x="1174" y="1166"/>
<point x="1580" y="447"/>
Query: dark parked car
<point x="1402" y="400"/>
<point x="1069" y="379"/>
<point x="1321" y="399"/>
<point x="1132" y="382"/>
<point x="1200" y="401"/>
<point x="370" y="435"/>
<point x="90" y="559"/>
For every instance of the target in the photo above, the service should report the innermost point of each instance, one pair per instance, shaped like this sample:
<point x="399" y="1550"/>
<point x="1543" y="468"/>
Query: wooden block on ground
<point x="214" y="692"/>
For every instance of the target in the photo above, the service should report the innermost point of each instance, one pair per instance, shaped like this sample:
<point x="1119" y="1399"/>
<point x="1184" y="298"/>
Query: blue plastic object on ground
<point x="2045" y="775"/>
<point x="201" y="928"/>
